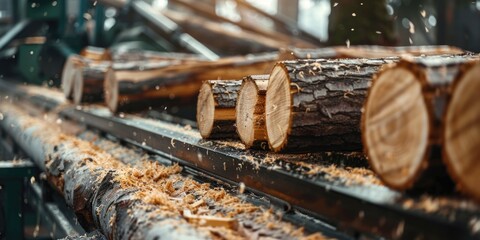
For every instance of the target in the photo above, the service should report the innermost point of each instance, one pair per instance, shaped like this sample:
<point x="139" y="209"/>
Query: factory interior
<point x="239" y="119"/>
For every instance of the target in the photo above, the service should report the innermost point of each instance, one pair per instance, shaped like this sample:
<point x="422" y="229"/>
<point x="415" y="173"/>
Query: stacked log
<point x="250" y="111"/>
<point x="403" y="120"/>
<point x="316" y="104"/>
<point x="216" y="108"/>
<point x="141" y="89"/>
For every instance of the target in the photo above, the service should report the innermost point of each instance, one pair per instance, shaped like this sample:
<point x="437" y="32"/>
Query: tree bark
<point x="89" y="78"/>
<point x="88" y="83"/>
<point x="138" y="55"/>
<point x="403" y="120"/>
<point x="316" y="104"/>
<point x="216" y="108"/>
<point x="250" y="112"/>
<point x="139" y="90"/>
<point x="91" y="182"/>
<point x="365" y="51"/>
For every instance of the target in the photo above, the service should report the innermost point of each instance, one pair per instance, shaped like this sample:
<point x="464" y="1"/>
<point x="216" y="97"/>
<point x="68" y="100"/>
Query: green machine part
<point x="28" y="62"/>
<point x="52" y="12"/>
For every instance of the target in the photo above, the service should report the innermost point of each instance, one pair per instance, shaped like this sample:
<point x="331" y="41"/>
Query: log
<point x="96" y="53"/>
<point x="138" y="90"/>
<point x="89" y="78"/>
<point x="94" y="184"/>
<point x="373" y="51"/>
<point x="403" y="118"/>
<point x="216" y="108"/>
<point x="88" y="83"/>
<point x="366" y="51"/>
<point x="461" y="136"/>
<point x="250" y="111"/>
<point x="68" y="74"/>
<point x="205" y="11"/>
<point x="145" y="55"/>
<point x="307" y="53"/>
<point x="316" y="104"/>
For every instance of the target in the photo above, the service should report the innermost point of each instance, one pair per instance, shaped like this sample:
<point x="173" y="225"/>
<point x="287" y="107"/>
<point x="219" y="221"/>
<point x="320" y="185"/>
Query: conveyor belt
<point x="353" y="201"/>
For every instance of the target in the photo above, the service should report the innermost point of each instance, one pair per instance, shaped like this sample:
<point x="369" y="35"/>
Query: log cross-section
<point x="216" y="108"/>
<point x="250" y="111"/>
<point x="316" y="104"/>
<point x="461" y="135"/>
<point x="403" y="118"/>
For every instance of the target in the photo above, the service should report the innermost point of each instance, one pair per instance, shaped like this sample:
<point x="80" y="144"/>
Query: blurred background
<point x="386" y="22"/>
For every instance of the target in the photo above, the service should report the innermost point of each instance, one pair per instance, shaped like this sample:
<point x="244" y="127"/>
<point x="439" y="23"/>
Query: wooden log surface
<point x="96" y="53"/>
<point x="93" y="183"/>
<point x="89" y="78"/>
<point x="316" y="104"/>
<point x="250" y="111"/>
<point x="216" y="108"/>
<point x="461" y="133"/>
<point x="139" y="90"/>
<point x="365" y="51"/>
<point x="403" y="120"/>
<point x="204" y="10"/>
<point x="127" y="194"/>
<point x="145" y="55"/>
<point x="68" y="74"/>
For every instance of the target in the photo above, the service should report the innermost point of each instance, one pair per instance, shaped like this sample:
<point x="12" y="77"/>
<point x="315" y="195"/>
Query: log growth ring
<point x="396" y="127"/>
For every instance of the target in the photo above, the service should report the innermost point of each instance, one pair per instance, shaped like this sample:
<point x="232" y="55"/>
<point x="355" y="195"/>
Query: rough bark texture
<point x="224" y="93"/>
<point x="142" y="89"/>
<point x="364" y="51"/>
<point x="88" y="85"/>
<point x="92" y="184"/>
<point x="307" y="53"/>
<point x="138" y="55"/>
<point x="435" y="75"/>
<point x="327" y="97"/>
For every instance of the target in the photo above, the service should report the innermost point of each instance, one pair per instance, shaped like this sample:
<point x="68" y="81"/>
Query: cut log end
<point x="205" y="110"/>
<point x="462" y="132"/>
<point x="77" y="86"/>
<point x="278" y="106"/>
<point x="250" y="112"/>
<point x="111" y="90"/>
<point x="68" y="74"/>
<point x="396" y="127"/>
